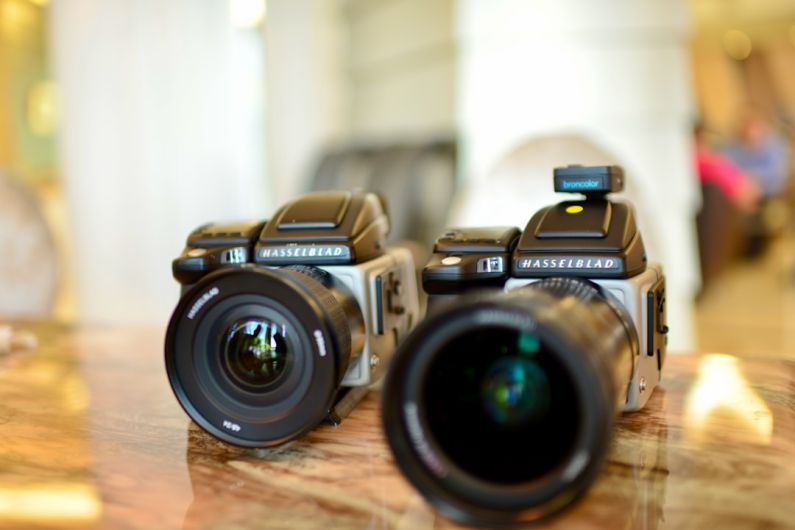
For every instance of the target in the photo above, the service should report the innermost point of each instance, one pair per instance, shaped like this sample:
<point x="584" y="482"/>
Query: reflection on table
<point x="91" y="435"/>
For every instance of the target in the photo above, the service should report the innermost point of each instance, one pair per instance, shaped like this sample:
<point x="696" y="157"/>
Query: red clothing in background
<point x="719" y="170"/>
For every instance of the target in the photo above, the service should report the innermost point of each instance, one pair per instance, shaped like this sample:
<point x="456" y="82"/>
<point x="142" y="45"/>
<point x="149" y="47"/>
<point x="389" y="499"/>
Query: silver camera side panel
<point x="375" y="283"/>
<point x="632" y="293"/>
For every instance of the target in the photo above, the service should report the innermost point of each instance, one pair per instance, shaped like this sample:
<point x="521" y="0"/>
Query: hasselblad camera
<point x="285" y="323"/>
<point x="500" y="405"/>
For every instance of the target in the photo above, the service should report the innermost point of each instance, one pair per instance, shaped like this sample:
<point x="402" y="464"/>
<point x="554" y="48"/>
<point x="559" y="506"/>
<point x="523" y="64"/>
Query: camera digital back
<point x="328" y="228"/>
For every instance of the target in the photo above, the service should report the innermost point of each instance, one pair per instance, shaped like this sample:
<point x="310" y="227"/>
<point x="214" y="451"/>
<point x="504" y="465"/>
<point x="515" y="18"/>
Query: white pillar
<point x="307" y="87"/>
<point x="153" y="141"/>
<point x="613" y="71"/>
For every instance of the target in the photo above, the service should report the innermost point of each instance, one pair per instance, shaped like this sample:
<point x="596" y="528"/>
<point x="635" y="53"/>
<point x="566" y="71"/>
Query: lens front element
<point x="505" y="393"/>
<point x="256" y="351"/>
<point x="516" y="388"/>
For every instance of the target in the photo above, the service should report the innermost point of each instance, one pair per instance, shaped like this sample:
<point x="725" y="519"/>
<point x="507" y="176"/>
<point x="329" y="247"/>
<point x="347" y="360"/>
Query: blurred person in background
<point x="716" y="168"/>
<point x="727" y="223"/>
<point x="761" y="152"/>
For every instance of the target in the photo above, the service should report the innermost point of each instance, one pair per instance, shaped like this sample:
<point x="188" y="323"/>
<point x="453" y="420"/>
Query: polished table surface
<point x="91" y="436"/>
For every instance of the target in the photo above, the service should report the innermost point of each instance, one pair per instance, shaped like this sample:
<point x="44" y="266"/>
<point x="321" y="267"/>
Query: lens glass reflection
<point x="256" y="351"/>
<point x="515" y="391"/>
<point x="501" y="405"/>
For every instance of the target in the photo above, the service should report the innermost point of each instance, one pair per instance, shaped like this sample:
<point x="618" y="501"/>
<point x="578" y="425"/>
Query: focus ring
<point x="587" y="292"/>
<point x="317" y="282"/>
<point x="567" y="286"/>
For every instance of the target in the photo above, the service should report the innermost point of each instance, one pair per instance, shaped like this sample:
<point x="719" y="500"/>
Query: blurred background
<point x="124" y="125"/>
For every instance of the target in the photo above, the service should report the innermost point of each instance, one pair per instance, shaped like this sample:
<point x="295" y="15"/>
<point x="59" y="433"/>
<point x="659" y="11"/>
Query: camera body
<point x="339" y="298"/>
<point x="593" y="238"/>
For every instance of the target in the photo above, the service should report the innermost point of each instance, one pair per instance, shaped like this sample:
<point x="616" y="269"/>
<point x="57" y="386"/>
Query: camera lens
<point x="500" y="408"/>
<point x="255" y="351"/>
<point x="256" y="356"/>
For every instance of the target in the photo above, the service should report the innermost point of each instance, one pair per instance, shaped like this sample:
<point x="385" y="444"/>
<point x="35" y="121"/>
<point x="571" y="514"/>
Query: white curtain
<point x="162" y="129"/>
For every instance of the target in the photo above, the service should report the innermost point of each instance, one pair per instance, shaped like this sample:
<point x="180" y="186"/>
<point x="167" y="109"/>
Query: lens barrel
<point x="256" y="356"/>
<point x="500" y="409"/>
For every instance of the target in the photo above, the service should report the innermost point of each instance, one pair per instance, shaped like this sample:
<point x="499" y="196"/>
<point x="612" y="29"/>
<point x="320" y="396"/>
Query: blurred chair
<point x="723" y="232"/>
<point x="417" y="180"/>
<point x="28" y="264"/>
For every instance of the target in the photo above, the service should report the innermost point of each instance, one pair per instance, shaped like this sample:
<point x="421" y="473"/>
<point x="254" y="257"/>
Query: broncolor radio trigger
<point x="595" y="182"/>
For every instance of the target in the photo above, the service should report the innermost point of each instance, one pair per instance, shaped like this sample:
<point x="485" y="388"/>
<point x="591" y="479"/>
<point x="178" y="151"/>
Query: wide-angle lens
<point x="256" y="351"/>
<point x="256" y="356"/>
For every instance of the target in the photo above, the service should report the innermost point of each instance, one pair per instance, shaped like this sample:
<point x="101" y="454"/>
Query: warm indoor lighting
<point x="792" y="34"/>
<point x="246" y="13"/>
<point x="722" y="404"/>
<point x="42" y="108"/>
<point x="14" y="17"/>
<point x="51" y="501"/>
<point x="737" y="44"/>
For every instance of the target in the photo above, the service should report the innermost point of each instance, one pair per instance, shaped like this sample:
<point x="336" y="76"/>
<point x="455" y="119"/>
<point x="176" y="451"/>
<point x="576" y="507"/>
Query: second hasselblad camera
<point x="500" y="405"/>
<point x="285" y="323"/>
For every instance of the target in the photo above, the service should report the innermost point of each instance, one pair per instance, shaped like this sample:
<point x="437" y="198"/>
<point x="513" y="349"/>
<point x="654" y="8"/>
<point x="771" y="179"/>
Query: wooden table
<point x="90" y="435"/>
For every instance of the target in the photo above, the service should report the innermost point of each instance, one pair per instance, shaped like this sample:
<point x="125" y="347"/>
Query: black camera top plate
<point x="212" y="246"/>
<point x="468" y="258"/>
<point x="325" y="228"/>
<point x="469" y="240"/>
<point x="322" y="211"/>
<point x="605" y="243"/>
<point x="575" y="219"/>
<point x="225" y="234"/>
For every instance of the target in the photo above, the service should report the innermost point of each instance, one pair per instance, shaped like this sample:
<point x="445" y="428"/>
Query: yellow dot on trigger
<point x="574" y="209"/>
